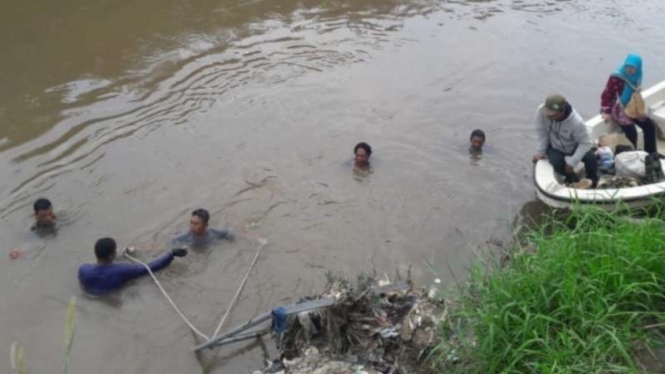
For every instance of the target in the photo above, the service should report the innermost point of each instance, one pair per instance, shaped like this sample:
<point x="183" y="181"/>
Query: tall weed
<point x="574" y="299"/>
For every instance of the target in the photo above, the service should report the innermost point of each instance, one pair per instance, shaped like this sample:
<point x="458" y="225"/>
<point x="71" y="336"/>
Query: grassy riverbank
<point x="585" y="294"/>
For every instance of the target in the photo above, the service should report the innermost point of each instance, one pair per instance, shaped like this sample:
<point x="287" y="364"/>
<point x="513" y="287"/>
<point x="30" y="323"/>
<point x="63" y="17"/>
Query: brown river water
<point x="128" y="115"/>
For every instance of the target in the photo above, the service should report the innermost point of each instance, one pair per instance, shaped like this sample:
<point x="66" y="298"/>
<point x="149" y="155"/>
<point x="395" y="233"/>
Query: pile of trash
<point x="372" y="328"/>
<point x="621" y="166"/>
<point x="615" y="181"/>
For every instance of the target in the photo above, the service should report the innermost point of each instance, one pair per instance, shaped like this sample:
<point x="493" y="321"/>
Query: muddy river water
<point x="128" y="115"/>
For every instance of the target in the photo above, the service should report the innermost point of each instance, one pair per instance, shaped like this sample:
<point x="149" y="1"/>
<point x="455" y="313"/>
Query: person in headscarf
<point x="617" y="94"/>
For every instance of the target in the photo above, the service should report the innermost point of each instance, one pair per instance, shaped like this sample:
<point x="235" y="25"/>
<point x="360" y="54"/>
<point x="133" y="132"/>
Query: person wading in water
<point x="362" y="152"/>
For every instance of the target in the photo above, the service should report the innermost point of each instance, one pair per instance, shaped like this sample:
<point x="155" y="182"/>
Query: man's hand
<point x="538" y="156"/>
<point x="129" y="251"/>
<point x="568" y="169"/>
<point x="180" y="252"/>
<point x="249" y="236"/>
<point x="606" y="117"/>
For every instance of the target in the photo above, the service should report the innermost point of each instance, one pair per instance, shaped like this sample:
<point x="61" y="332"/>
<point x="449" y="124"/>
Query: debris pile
<point x="614" y="181"/>
<point x="371" y="328"/>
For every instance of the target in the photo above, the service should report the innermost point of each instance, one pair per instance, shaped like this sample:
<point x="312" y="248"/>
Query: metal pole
<point x="239" y="338"/>
<point x="291" y="309"/>
<point x="247" y="325"/>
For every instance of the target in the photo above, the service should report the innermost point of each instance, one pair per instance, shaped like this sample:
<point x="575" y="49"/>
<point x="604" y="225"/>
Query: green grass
<point x="578" y="296"/>
<point x="70" y="329"/>
<point x="17" y="353"/>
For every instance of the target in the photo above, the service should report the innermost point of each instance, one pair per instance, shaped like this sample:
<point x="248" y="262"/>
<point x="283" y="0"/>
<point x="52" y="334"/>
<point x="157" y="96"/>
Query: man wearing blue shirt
<point x="199" y="235"/>
<point x="105" y="276"/>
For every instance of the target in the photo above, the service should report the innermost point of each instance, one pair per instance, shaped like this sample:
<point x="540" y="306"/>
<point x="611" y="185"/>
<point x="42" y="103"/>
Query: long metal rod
<point x="291" y="309"/>
<point x="241" y="337"/>
<point x="238" y="292"/>
<point x="235" y="331"/>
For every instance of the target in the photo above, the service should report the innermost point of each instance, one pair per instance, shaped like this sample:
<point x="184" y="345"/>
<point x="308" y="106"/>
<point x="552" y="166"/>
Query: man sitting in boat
<point x="564" y="141"/>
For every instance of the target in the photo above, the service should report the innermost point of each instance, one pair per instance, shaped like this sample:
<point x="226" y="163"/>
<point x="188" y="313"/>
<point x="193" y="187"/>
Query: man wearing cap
<point x="563" y="139"/>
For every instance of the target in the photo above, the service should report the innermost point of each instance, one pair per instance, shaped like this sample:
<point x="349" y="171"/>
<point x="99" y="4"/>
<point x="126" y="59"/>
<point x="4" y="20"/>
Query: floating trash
<point x="370" y="329"/>
<point x="15" y="253"/>
<point x="613" y="182"/>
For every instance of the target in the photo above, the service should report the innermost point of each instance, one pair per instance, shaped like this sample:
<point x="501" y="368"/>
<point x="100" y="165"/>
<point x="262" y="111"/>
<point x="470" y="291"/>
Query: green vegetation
<point x="17" y="359"/>
<point x="17" y="353"/>
<point x="70" y="329"/>
<point x="582" y="294"/>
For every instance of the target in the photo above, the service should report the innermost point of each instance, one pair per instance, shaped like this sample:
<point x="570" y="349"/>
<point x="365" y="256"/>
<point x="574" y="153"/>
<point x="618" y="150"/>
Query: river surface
<point x="128" y="115"/>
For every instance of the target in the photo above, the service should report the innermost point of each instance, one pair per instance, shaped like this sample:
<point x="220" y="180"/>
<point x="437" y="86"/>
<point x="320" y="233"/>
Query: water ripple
<point x="265" y="52"/>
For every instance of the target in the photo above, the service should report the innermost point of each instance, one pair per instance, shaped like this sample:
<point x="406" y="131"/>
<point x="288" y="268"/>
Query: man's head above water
<point x="477" y="140"/>
<point x="199" y="222"/>
<point x="105" y="250"/>
<point x="362" y="152"/>
<point x="44" y="216"/>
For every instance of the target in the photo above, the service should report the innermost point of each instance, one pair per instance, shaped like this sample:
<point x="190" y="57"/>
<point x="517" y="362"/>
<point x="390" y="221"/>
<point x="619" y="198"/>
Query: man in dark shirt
<point x="199" y="235"/>
<point x="105" y="276"/>
<point x="44" y="216"/>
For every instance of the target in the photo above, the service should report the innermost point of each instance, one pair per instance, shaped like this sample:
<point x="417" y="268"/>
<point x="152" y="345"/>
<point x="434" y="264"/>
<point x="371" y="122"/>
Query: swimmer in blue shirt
<point x="199" y="235"/>
<point x="105" y="276"/>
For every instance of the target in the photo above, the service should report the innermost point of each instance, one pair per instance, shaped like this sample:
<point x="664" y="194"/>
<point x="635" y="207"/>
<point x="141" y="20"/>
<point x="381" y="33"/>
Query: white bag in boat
<point x="630" y="164"/>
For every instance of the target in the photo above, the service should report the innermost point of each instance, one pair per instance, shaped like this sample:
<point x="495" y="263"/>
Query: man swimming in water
<point x="44" y="216"/>
<point x="105" y="276"/>
<point x="362" y="152"/>
<point x="476" y="140"/>
<point x="199" y="235"/>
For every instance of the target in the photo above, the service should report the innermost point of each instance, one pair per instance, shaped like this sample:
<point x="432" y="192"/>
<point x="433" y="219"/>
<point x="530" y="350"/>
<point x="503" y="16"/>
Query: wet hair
<point x="203" y="214"/>
<point x="477" y="133"/>
<point x="364" y="146"/>
<point x="42" y="204"/>
<point x="105" y="248"/>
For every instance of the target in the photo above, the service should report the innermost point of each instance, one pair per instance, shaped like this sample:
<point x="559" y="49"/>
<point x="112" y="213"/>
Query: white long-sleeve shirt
<point x="569" y="136"/>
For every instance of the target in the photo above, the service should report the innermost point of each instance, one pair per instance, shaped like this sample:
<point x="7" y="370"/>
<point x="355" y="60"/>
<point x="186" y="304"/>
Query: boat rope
<point x="239" y="291"/>
<point x="191" y="326"/>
